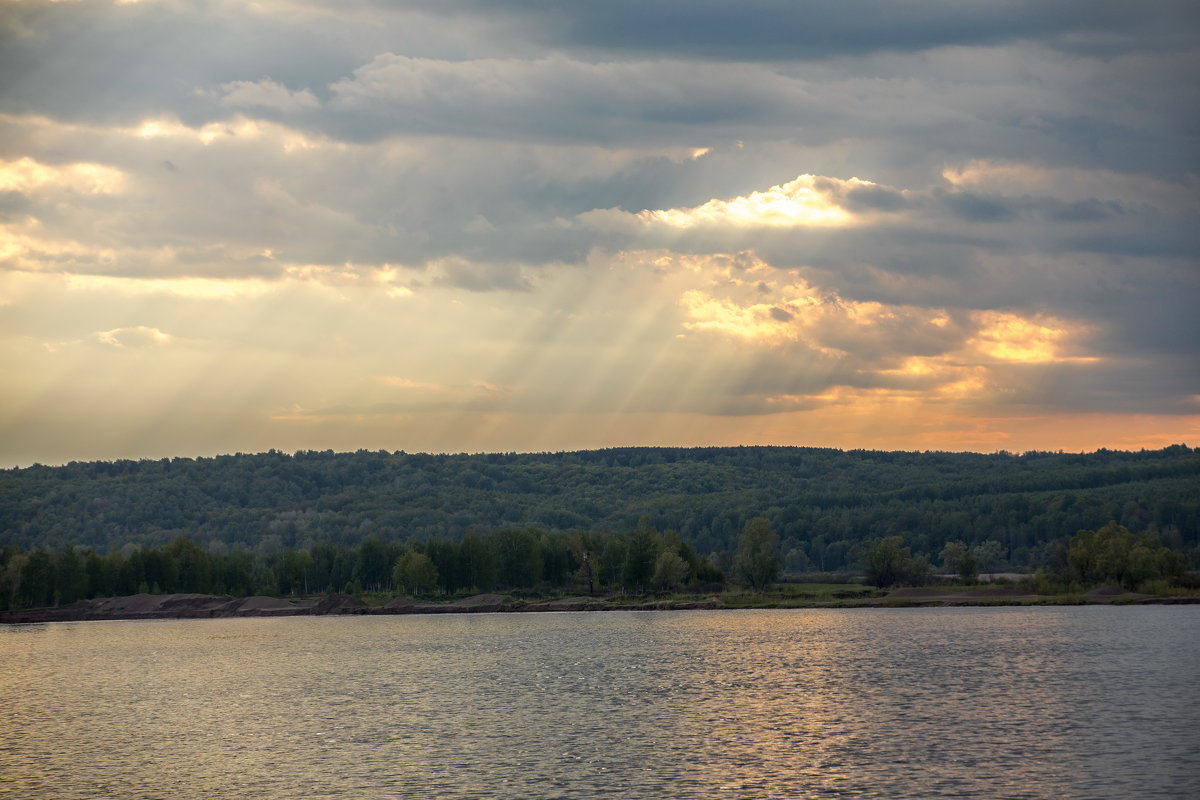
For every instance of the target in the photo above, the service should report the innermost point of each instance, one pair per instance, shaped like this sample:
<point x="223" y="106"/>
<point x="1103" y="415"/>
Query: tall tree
<point x="640" y="557"/>
<point x="670" y="570"/>
<point x="756" y="563"/>
<point x="444" y="554"/>
<point x="192" y="564"/>
<point x="70" y="578"/>
<point x="518" y="557"/>
<point x="477" y="562"/>
<point x="887" y="562"/>
<point x="371" y="567"/>
<point x="415" y="573"/>
<point x="959" y="559"/>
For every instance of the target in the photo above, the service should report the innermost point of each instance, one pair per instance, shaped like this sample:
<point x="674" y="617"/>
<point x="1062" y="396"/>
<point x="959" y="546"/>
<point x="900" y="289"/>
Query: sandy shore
<point x="204" y="606"/>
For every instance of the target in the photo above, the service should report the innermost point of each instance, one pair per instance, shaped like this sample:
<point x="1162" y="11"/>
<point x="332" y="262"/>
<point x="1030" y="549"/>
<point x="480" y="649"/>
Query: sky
<point x="467" y="226"/>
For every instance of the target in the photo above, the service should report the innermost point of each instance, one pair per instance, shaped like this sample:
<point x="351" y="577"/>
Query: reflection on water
<point x="1093" y="702"/>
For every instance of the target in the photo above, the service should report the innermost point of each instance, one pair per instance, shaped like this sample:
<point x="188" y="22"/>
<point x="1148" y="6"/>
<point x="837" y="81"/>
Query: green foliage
<point x="192" y="570"/>
<point x="887" y="562"/>
<point x="70" y="577"/>
<point x="318" y="521"/>
<point x="371" y="566"/>
<point x="612" y="561"/>
<point x="1114" y="555"/>
<point x="415" y="573"/>
<point x="988" y="555"/>
<point x="641" y="555"/>
<point x="958" y="559"/>
<point x="477" y="561"/>
<point x="796" y="560"/>
<point x="823" y="503"/>
<point x="446" y="558"/>
<point x="518" y="557"/>
<point x="670" y="570"/>
<point x="757" y="562"/>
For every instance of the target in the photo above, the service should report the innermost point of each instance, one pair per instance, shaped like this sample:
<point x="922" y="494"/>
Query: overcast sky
<point x="546" y="225"/>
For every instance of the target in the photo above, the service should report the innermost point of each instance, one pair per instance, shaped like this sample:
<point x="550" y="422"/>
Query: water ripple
<point x="1092" y="702"/>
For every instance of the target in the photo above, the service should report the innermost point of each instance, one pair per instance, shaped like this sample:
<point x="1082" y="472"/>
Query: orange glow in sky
<point x="395" y="228"/>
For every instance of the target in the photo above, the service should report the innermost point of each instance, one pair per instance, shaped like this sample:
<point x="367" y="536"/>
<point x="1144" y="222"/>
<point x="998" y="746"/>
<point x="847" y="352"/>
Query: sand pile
<point x="161" y="605"/>
<point x="479" y="602"/>
<point x="339" y="604"/>
<point x="260" y="606"/>
<point x="407" y="605"/>
<point x="564" y="604"/>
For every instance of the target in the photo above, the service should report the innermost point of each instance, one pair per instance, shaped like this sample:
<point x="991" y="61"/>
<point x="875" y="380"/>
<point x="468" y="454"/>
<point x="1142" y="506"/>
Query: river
<point x="1042" y="702"/>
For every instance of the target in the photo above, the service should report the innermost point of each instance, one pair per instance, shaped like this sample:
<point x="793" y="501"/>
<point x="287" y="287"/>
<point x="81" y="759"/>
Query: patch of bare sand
<point x="159" y="603"/>
<point x="581" y="603"/>
<point x="133" y="604"/>
<point x="1112" y="594"/>
<point x="480" y="602"/>
<point x="339" y="604"/>
<point x="260" y="605"/>
<point x="997" y="594"/>
<point x="407" y="605"/>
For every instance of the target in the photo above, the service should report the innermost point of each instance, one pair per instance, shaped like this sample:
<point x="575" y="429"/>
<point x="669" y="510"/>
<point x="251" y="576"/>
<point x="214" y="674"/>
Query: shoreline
<point x="201" y="606"/>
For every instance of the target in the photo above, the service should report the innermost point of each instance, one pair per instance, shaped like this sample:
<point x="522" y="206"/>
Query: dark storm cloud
<point x="873" y="198"/>
<point x="91" y="61"/>
<point x="492" y="146"/>
<point x="977" y="208"/>
<point x="1090" y="210"/>
<point x="557" y="100"/>
<point x="1134" y="386"/>
<point x="368" y="72"/>
<point x="943" y="231"/>
<point x="784" y="29"/>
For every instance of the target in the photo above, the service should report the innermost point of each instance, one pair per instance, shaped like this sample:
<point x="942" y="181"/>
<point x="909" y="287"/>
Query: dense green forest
<point x="629" y="519"/>
<point x="637" y="519"/>
<point x="510" y="559"/>
<point x="532" y="560"/>
<point x="822" y="502"/>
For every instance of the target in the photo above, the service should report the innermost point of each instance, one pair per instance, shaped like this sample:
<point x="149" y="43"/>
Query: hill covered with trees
<point x="623" y="519"/>
<point x="821" y="501"/>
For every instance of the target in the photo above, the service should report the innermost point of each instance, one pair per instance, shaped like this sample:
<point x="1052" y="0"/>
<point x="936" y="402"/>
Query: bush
<point x="888" y="563"/>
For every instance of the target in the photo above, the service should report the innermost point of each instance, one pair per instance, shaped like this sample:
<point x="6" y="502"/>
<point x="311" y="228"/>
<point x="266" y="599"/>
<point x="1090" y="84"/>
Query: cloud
<point x="553" y="99"/>
<point x="266" y="93"/>
<point x="28" y="175"/>
<point x="796" y="203"/>
<point x="833" y="223"/>
<point x="136" y="336"/>
<point x="191" y="288"/>
<point x="781" y="30"/>
<point x="474" y="277"/>
<point x="814" y="348"/>
<point x="772" y="211"/>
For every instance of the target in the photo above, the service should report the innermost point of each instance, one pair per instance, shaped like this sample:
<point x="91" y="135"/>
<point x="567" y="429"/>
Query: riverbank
<point x="202" y="606"/>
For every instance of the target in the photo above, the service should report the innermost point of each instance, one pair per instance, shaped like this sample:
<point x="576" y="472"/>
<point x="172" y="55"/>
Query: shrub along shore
<point x="528" y="563"/>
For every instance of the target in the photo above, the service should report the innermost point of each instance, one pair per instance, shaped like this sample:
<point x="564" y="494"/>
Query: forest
<point x="312" y="521"/>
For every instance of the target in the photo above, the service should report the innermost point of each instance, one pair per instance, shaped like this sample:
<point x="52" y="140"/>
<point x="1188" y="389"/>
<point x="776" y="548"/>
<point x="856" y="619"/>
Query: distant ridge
<point x="706" y="493"/>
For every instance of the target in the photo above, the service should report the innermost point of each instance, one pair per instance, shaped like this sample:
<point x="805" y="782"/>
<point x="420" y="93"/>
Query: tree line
<point x="1110" y="555"/>
<point x="530" y="559"/>
<point x="643" y="559"/>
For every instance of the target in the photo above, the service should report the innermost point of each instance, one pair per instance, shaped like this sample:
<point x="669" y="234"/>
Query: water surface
<point x="1080" y="702"/>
